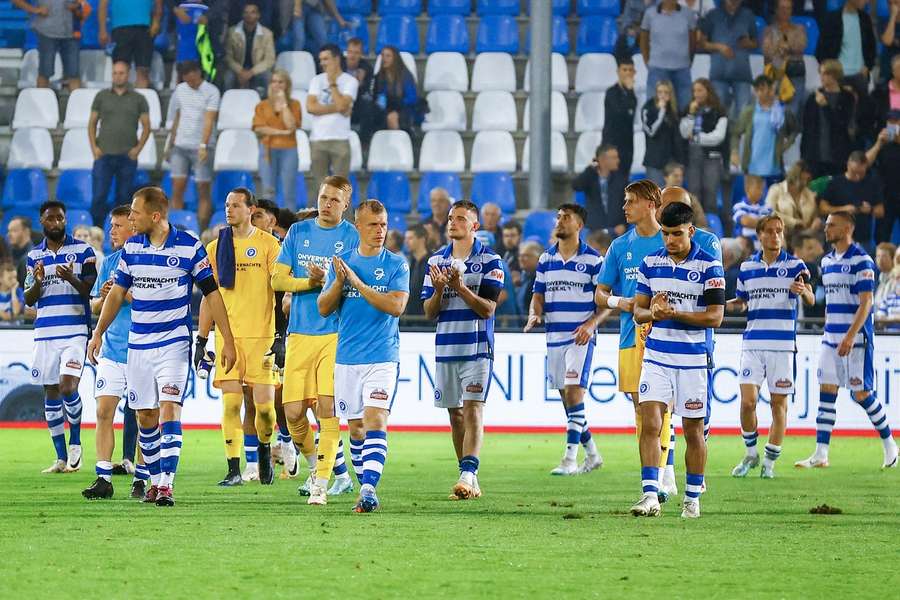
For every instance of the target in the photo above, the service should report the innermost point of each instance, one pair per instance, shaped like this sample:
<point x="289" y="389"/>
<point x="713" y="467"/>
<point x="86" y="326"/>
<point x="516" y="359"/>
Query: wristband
<point x="613" y="301"/>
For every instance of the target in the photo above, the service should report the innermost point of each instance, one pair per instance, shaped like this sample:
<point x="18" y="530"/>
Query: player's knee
<point x="860" y="397"/>
<point x="105" y="413"/>
<point x="778" y="402"/>
<point x="828" y="389"/>
<point x="294" y="412"/>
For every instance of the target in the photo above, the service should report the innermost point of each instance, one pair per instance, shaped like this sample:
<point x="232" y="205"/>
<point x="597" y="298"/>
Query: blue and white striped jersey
<point x="844" y="278"/>
<point x="160" y="280"/>
<point x="890" y="308"/>
<point x="461" y="334"/>
<point x="61" y="311"/>
<point x="771" y="306"/>
<point x="672" y="343"/>
<point x="568" y="288"/>
<point x="743" y="209"/>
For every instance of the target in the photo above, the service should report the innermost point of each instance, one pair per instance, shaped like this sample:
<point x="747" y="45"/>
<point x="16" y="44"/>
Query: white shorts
<point x="157" y="375"/>
<point x="684" y="391"/>
<point x="111" y="380"/>
<point x="359" y="386"/>
<point x="569" y="365"/>
<point x="775" y="368"/>
<point x="54" y="358"/>
<point x="459" y="381"/>
<point x="856" y="371"/>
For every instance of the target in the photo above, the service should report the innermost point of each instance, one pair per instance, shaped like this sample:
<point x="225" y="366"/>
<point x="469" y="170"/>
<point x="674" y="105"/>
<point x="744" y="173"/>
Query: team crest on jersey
<point x="170" y="389"/>
<point x="628" y="256"/>
<point x="782" y="272"/>
<point x="306" y="243"/>
<point x="70" y="257"/>
<point x="378" y="394"/>
<point x="581" y="267"/>
<point x="101" y="383"/>
<point x="783" y="383"/>
<point x="73" y="364"/>
<point x="132" y="396"/>
<point x="35" y="373"/>
<point x="746" y="372"/>
<point x="437" y="394"/>
<point x="172" y="261"/>
<point x="251" y="252"/>
<point x="845" y="268"/>
<point x="338" y="246"/>
<point x="694" y="276"/>
<point x="343" y="406"/>
<point x="379" y="274"/>
<point x="476" y="268"/>
<point x="644" y="388"/>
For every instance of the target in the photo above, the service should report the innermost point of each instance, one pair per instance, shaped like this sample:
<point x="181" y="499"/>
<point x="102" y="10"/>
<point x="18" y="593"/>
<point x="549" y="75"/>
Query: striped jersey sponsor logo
<point x="61" y="311"/>
<point x="568" y="287"/>
<point x="845" y="278"/>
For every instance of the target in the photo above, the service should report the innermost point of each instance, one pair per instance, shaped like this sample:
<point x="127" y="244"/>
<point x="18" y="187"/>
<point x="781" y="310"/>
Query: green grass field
<point x="531" y="535"/>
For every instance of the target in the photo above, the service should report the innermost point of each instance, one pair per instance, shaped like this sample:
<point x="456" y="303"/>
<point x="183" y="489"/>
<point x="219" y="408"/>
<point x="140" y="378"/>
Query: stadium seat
<point x="559" y="36"/>
<point x="449" y="7"/>
<point x="356" y="161"/>
<point x="300" y="197"/>
<point x="539" y="226"/>
<point x="28" y="71"/>
<point x="390" y="151"/>
<point x="586" y="8"/>
<point x="190" y="190"/>
<point x="498" y="7"/>
<point x="236" y="150"/>
<point x="429" y="181"/>
<point x="218" y="218"/>
<point x="399" y="7"/>
<point x="24" y="188"/>
<point x="305" y="119"/>
<point x="585" y="148"/>
<point x="595" y="73"/>
<point x="153" y="105"/>
<point x="300" y="65"/>
<point x="30" y="148"/>
<point x="392" y="189"/>
<point x="559" y="113"/>
<point x="76" y="151"/>
<point x="447" y="33"/>
<point x="559" y="155"/>
<point x="494" y="71"/>
<point x="442" y="151"/>
<point x="36" y="107"/>
<point x="148" y="158"/>
<point x="700" y="66"/>
<point x="399" y="31"/>
<point x="589" y="112"/>
<point x="397" y="221"/>
<point x="78" y="109"/>
<point x="559" y="74"/>
<point x="792" y="154"/>
<point x="637" y="158"/>
<point x="640" y="74"/>
<point x="495" y="111"/>
<point x="77" y="217"/>
<point x="408" y="60"/>
<point x="812" y="32"/>
<point x="237" y="108"/>
<point x="493" y="151"/>
<point x="446" y="71"/>
<point x="496" y="187"/>
<point x="760" y="28"/>
<point x="95" y="68"/>
<point x="497" y="33"/>
<point x="714" y="224"/>
<point x="225" y="181"/>
<point x="184" y="219"/>
<point x="304" y="155"/>
<point x="357" y="28"/>
<point x="75" y="188"/>
<point x="757" y="64"/>
<point x="362" y="7"/>
<point x="354" y="198"/>
<point x="596" y="34"/>
<point x="813" y="80"/>
<point x="446" y="111"/>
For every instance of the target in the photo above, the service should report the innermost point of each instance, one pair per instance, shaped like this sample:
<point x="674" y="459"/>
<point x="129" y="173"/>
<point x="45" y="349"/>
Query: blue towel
<point x="225" y="262"/>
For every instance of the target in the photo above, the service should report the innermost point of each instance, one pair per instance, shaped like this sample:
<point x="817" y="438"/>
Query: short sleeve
<point x="143" y="106"/>
<point x="493" y="273"/>
<point x="714" y="276"/>
<point x="297" y="112"/>
<point x="643" y="281"/>
<point x="540" y="275"/>
<point x="741" y="290"/>
<point x="427" y="286"/>
<point x="259" y="115"/>
<point x="865" y="277"/>
<point x="123" y="272"/>
<point x="95" y="290"/>
<point x="609" y="272"/>
<point x="595" y="275"/>
<point x="212" y="98"/>
<point x="350" y="86"/>
<point x="400" y="280"/>
<point x="200" y="268"/>
<point x="88" y="256"/>
<point x="95" y="104"/>
<point x="646" y="20"/>
<point x="315" y="86"/>
<point x="286" y="253"/>
<point x="174" y="103"/>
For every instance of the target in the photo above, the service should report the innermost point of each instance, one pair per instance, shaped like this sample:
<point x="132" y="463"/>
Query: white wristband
<point x="613" y="301"/>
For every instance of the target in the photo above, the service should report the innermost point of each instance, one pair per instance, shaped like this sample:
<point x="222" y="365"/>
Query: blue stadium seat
<point x="539" y="225"/>
<point x="737" y="188"/>
<point x="586" y="8"/>
<point x="218" y="218"/>
<point x="494" y="187"/>
<point x="75" y="188"/>
<point x="24" y="188"/>
<point x="447" y="33"/>
<point x="399" y="7"/>
<point x="714" y="224"/>
<point x="812" y="32"/>
<point x="141" y="178"/>
<point x="579" y="198"/>
<point x="429" y="181"/>
<point x="498" y="7"/>
<point x="560" y="36"/>
<point x="76" y="217"/>
<point x="596" y="34"/>
<point x="190" y="190"/>
<point x="392" y="189"/>
<point x="354" y="198"/>
<point x="226" y="181"/>
<point x="31" y="41"/>
<point x="359" y="7"/>
<point x="357" y="28"/>
<point x="498" y="33"/>
<point x="449" y="7"/>
<point x="760" y="28"/>
<point x="399" y="31"/>
<point x="185" y="219"/>
<point x="397" y="221"/>
<point x="300" y="199"/>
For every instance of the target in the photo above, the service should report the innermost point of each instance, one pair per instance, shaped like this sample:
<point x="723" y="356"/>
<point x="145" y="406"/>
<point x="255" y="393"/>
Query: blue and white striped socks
<point x="750" y="439"/>
<point x="825" y="422"/>
<point x="169" y="452"/>
<point x="53" y="413"/>
<point x="104" y="469"/>
<point x="141" y="473"/>
<point x="693" y="487"/>
<point x="284" y="435"/>
<point x="149" y="440"/>
<point x="356" y="451"/>
<point x="670" y="460"/>
<point x="73" y="415"/>
<point x="878" y="417"/>
<point x="650" y="480"/>
<point x="771" y="455"/>
<point x="340" y="463"/>
<point x="576" y="422"/>
<point x="251" y="448"/>
<point x="374" y="455"/>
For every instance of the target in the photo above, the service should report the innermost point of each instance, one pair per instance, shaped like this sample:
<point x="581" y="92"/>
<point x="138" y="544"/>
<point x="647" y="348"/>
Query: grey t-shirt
<point x="669" y="36"/>
<point x="119" y="119"/>
<point x="57" y="24"/>
<point x="721" y="28"/>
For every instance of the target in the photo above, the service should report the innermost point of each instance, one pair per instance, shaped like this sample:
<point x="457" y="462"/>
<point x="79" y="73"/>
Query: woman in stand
<point x="705" y="127"/>
<point x="660" y="121"/>
<point x="276" y="121"/>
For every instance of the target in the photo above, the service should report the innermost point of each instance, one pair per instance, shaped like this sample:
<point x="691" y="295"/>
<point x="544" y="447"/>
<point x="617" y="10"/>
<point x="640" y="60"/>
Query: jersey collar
<point x="476" y="249"/>
<point x="67" y="241"/>
<point x="170" y="239"/>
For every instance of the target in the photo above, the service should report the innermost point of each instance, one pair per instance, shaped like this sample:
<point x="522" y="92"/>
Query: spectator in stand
<point x="848" y="36"/>
<point x="249" y="53"/>
<point x="729" y="33"/>
<point x="887" y="95"/>
<point x="359" y="67"/>
<point x="118" y="111"/>
<point x="673" y="174"/>
<point x="599" y="241"/>
<point x="491" y="216"/>
<point x="308" y="27"/>
<point x="436" y="237"/>
<point x="603" y="185"/>
<point x="394" y="94"/>
<point x="668" y="41"/>
<point x="795" y="203"/>
<point x="732" y="256"/>
<point x="330" y="103"/>
<point x="134" y="24"/>
<point x="440" y="201"/>
<point x="808" y="248"/>
<point x="749" y="211"/>
<point x="529" y="254"/>
<point x="890" y="38"/>
<point x="417" y="253"/>
<point x="195" y="105"/>
<point x="53" y="22"/>
<point x="276" y="121"/>
<point x="506" y="301"/>
<point x="509" y="252"/>
<point x="619" y="104"/>
<point x="18" y="235"/>
<point x="393" y="241"/>
<point x="857" y="191"/>
<point x="85" y="233"/>
<point x="783" y="45"/>
<point x="884" y="260"/>
<point x="659" y="117"/>
<point x="701" y="7"/>
<point x="705" y="126"/>
<point x="266" y="10"/>
<point x="628" y="24"/>
<point x="96" y="241"/>
<point x="885" y="155"/>
<point x="767" y="129"/>
<point x="12" y="296"/>
<point x="828" y="118"/>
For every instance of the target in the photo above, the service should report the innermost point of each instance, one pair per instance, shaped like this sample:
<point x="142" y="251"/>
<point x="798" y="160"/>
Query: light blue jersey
<point x="115" y="340"/>
<point x="709" y="243"/>
<point x="306" y="242"/>
<point x="365" y="334"/>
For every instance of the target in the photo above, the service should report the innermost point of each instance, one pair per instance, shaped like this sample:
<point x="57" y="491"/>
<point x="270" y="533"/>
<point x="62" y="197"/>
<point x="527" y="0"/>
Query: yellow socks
<point x="265" y="421"/>
<point x="232" y="429"/>
<point x="329" y="436"/>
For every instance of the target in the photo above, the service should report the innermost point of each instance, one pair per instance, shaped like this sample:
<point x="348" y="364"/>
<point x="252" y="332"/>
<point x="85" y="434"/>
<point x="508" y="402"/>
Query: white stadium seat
<point x="36" y="107"/>
<point x="148" y="158"/>
<point x="28" y="71"/>
<point x="585" y="149"/>
<point x="236" y="150"/>
<point x="153" y="104"/>
<point x="355" y="153"/>
<point x="76" y="151"/>
<point x="493" y="151"/>
<point x="299" y="65"/>
<point x="559" y="74"/>
<point x="700" y="66"/>
<point x="390" y="151"/>
<point x="305" y="118"/>
<point x="595" y="73"/>
<point x="813" y="80"/>
<point x="757" y="63"/>
<point x="495" y="111"/>
<point x="446" y="71"/>
<point x="446" y="111"/>
<point x="304" y="155"/>
<point x="95" y="68"/>
<point x="589" y="112"/>
<point x="640" y="147"/>
<point x="559" y="113"/>
<point x="640" y="74"/>
<point x="442" y="151"/>
<point x="237" y="108"/>
<point x="78" y="109"/>
<point x="408" y="59"/>
<point x="30" y="148"/>
<point x="559" y="156"/>
<point x="494" y="71"/>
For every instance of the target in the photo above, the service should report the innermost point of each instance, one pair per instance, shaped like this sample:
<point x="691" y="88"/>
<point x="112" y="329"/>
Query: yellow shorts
<point x="308" y="367"/>
<point x="630" y="360"/>
<point x="248" y="369"/>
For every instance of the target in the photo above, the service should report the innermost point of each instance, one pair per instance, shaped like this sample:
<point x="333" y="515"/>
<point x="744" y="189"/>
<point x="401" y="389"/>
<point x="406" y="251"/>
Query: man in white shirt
<point x="330" y="102"/>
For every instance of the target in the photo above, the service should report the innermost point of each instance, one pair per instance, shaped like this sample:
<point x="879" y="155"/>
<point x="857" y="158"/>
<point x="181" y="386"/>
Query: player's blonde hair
<point x="373" y="206"/>
<point x="154" y="199"/>
<point x="763" y="221"/>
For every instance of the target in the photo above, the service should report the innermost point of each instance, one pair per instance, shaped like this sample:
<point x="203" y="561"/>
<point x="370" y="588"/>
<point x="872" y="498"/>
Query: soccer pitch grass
<point x="531" y="535"/>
